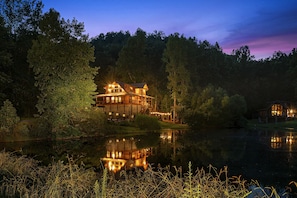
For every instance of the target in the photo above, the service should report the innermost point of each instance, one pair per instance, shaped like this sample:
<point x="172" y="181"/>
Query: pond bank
<point x="285" y="126"/>
<point x="18" y="134"/>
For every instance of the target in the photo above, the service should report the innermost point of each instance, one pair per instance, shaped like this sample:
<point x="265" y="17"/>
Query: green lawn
<point x="286" y="125"/>
<point x="169" y="125"/>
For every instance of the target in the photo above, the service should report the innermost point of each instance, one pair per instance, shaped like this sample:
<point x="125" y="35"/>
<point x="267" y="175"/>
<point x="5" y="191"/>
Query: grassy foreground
<point x="23" y="177"/>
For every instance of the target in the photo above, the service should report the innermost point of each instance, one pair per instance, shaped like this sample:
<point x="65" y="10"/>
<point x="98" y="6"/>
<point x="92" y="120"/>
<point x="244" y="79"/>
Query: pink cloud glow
<point x="266" y="46"/>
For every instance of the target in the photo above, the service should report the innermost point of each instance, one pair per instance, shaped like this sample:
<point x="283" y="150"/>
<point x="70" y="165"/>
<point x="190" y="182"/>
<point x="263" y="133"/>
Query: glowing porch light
<point x="289" y="139"/>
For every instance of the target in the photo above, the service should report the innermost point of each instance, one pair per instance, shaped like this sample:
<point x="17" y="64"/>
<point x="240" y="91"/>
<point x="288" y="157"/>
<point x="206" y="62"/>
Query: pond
<point x="267" y="156"/>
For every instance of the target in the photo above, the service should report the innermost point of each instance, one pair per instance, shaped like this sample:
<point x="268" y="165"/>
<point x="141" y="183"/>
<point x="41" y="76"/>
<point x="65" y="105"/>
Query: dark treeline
<point x="180" y="71"/>
<point x="140" y="58"/>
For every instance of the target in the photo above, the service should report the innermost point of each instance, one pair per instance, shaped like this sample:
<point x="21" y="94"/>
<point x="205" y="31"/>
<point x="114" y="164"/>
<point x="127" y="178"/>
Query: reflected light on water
<point x="289" y="139"/>
<point x="286" y="142"/>
<point x="276" y="142"/>
<point x="124" y="154"/>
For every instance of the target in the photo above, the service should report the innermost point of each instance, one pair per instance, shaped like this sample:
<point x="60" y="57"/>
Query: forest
<point x="48" y="66"/>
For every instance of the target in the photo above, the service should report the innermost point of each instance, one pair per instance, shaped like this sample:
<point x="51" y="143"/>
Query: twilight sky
<point x="265" y="26"/>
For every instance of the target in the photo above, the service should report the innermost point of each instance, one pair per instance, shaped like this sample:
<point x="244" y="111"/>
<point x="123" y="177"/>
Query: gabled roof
<point x="134" y="85"/>
<point x="138" y="85"/>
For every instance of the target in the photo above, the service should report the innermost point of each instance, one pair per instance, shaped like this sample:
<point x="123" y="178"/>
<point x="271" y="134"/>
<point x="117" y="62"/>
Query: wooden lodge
<point x="124" y="101"/>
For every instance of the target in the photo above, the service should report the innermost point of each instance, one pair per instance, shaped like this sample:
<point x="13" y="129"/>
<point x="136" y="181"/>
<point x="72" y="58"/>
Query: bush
<point x="8" y="117"/>
<point x="145" y="122"/>
<point x="214" y="108"/>
<point x="92" y="121"/>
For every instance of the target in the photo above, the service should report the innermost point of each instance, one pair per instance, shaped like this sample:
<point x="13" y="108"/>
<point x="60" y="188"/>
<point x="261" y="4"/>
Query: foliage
<point x="214" y="108"/>
<point x="243" y="55"/>
<point x="60" y="60"/>
<point x="21" y="176"/>
<point x="132" y="58"/>
<point x="176" y="59"/>
<point x="21" y="15"/>
<point x="92" y="120"/>
<point x="21" y="18"/>
<point x="8" y="116"/>
<point x="24" y="177"/>
<point x="145" y="122"/>
<point x="234" y="108"/>
<point x="5" y="60"/>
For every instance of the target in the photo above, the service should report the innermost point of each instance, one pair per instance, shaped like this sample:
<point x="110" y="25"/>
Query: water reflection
<point x="124" y="154"/>
<point x="283" y="141"/>
<point x="276" y="142"/>
<point x="270" y="157"/>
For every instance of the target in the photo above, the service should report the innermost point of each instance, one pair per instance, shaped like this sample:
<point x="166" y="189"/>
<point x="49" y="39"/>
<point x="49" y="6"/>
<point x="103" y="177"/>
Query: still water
<point x="267" y="156"/>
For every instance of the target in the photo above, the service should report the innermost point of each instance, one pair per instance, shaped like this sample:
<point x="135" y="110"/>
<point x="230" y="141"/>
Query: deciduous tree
<point x="60" y="60"/>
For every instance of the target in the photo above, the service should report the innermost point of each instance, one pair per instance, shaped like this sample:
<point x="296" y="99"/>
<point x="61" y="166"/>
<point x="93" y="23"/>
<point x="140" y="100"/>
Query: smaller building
<point x="277" y="111"/>
<point x="124" y="101"/>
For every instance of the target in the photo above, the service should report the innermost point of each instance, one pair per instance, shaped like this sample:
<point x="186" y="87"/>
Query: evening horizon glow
<point x="265" y="26"/>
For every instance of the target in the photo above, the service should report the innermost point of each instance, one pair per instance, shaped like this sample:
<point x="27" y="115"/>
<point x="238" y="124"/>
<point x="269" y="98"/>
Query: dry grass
<point x="23" y="177"/>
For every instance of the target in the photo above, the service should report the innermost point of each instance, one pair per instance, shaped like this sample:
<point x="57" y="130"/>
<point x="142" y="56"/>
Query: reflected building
<point x="284" y="142"/>
<point x="275" y="142"/>
<point x="124" y="154"/>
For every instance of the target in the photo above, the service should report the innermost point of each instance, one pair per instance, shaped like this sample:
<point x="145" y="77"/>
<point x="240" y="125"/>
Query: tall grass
<point x="23" y="177"/>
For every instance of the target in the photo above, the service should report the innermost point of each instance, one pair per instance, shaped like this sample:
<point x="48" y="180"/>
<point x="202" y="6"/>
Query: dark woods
<point x="200" y="73"/>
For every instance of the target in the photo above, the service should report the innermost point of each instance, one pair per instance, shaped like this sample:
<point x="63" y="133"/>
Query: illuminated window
<point x="112" y="99"/>
<point x="276" y="110"/>
<point x="120" y="99"/>
<point x="107" y="99"/>
<point x="290" y="113"/>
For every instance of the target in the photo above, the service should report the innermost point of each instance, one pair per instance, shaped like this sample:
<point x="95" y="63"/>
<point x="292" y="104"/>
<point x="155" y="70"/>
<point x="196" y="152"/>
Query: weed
<point x="23" y="177"/>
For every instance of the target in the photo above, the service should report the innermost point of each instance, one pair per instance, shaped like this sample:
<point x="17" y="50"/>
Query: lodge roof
<point x="135" y="85"/>
<point x="138" y="85"/>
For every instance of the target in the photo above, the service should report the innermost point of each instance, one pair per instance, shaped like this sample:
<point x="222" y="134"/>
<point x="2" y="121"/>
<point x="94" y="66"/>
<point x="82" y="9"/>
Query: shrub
<point x="92" y="120"/>
<point x="145" y="122"/>
<point x="8" y="116"/>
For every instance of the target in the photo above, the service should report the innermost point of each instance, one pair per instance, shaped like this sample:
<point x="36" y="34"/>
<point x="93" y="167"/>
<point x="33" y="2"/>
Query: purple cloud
<point x="267" y="32"/>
